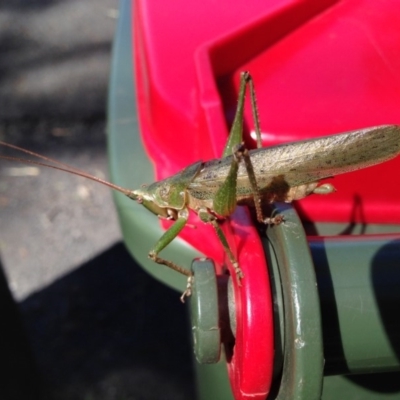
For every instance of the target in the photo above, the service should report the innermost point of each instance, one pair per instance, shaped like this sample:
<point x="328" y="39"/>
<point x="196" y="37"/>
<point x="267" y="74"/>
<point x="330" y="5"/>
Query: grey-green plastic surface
<point x="205" y="313"/>
<point x="359" y="292"/>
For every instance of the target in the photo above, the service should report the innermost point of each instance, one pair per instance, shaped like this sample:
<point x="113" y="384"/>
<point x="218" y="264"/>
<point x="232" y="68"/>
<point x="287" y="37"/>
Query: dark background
<point x="87" y="322"/>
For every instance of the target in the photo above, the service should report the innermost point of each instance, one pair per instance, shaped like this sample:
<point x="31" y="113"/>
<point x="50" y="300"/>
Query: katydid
<point x="213" y="189"/>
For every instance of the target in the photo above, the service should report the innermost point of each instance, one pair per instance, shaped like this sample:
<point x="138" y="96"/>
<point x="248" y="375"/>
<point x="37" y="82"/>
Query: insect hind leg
<point x="241" y="153"/>
<point x="236" y="132"/>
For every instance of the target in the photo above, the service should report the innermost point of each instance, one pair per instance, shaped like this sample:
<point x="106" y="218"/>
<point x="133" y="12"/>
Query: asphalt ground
<point x="81" y="319"/>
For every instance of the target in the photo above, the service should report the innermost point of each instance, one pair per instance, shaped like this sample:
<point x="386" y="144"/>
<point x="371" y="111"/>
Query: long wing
<point x="309" y="160"/>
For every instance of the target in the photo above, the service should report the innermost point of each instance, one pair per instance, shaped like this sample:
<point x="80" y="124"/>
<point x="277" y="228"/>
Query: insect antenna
<point x="60" y="166"/>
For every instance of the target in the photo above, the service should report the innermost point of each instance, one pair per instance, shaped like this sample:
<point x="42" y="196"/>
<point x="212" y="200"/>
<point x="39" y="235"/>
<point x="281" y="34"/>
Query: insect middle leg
<point x="209" y="218"/>
<point x="225" y="200"/>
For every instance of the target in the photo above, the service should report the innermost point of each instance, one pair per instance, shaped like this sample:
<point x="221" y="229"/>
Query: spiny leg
<point x="236" y="133"/>
<point x="247" y="160"/>
<point x="164" y="241"/>
<point x="206" y="217"/>
<point x="242" y="152"/>
<point x="254" y="110"/>
<point x="249" y="166"/>
<point x="223" y="199"/>
<point x="224" y="202"/>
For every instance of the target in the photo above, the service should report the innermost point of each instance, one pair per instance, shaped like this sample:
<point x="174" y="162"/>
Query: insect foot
<point x="278" y="219"/>
<point x="239" y="273"/>
<point x="188" y="290"/>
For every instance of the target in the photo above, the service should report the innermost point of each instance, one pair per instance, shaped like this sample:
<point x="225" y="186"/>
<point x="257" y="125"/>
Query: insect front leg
<point x="164" y="241"/>
<point x="209" y="218"/>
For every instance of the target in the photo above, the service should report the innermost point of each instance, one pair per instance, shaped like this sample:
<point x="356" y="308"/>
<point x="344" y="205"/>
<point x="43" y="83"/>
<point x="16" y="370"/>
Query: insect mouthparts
<point x="134" y="196"/>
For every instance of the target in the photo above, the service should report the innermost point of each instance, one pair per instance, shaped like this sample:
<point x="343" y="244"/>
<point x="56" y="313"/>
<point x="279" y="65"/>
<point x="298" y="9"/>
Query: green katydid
<point x="256" y="177"/>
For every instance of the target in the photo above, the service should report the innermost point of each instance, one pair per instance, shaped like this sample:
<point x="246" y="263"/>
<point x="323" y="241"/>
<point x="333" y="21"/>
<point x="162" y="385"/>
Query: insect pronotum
<point x="213" y="189"/>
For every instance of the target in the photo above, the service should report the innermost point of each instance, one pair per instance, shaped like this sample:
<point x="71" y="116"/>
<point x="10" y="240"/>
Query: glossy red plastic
<point x="320" y="67"/>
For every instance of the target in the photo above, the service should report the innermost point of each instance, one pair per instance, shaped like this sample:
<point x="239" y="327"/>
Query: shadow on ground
<point x="106" y="331"/>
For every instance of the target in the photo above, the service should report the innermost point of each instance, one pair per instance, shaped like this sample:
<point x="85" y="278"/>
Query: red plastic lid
<point x="319" y="68"/>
